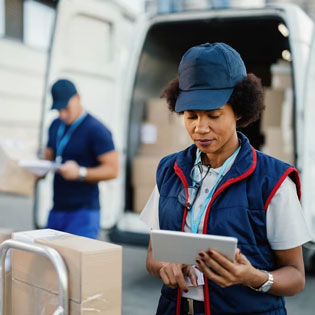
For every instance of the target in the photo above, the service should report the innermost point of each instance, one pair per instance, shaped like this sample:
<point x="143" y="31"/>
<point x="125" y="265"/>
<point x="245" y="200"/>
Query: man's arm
<point x="107" y="169"/>
<point x="49" y="154"/>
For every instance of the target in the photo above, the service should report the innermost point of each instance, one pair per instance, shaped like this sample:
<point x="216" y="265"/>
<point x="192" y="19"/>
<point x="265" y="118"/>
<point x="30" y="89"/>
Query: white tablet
<point x="183" y="248"/>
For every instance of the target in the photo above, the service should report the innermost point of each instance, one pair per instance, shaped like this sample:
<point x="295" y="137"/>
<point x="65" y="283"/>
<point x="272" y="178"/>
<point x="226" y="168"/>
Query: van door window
<point x="88" y="43"/>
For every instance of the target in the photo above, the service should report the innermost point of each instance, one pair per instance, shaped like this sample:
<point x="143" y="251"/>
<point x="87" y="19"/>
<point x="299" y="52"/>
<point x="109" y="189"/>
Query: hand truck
<point x="50" y="253"/>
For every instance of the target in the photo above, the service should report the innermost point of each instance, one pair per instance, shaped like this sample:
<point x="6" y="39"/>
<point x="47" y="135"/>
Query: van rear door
<point x="90" y="46"/>
<point x="308" y="173"/>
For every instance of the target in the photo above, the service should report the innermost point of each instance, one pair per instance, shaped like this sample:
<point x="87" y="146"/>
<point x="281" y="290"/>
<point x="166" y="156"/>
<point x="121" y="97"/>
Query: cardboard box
<point x="24" y="295"/>
<point x="7" y="292"/>
<point x="276" y="147"/>
<point x="156" y="150"/>
<point x="163" y="132"/>
<point x="168" y="139"/>
<point x="13" y="179"/>
<point x="272" y="115"/>
<point x="144" y="170"/>
<point x="94" y="268"/>
<point x="281" y="75"/>
<point x="5" y="234"/>
<point x="158" y="112"/>
<point x="141" y="196"/>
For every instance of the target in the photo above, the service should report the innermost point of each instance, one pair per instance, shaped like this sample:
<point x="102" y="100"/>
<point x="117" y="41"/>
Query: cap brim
<point x="59" y="105"/>
<point x="202" y="99"/>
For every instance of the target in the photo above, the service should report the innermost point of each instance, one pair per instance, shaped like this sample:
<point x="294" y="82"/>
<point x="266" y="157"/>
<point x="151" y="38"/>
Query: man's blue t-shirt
<point x="88" y="141"/>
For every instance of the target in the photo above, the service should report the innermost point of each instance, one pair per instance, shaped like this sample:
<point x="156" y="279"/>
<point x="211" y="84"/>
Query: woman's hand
<point x="173" y="275"/>
<point x="224" y="272"/>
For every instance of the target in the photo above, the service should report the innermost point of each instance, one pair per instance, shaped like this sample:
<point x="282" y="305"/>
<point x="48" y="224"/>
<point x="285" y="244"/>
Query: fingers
<point x="241" y="259"/>
<point x="217" y="265"/>
<point x="69" y="170"/>
<point x="210" y="274"/>
<point x="217" y="268"/>
<point x="192" y="276"/>
<point x="221" y="270"/>
<point x="172" y="276"/>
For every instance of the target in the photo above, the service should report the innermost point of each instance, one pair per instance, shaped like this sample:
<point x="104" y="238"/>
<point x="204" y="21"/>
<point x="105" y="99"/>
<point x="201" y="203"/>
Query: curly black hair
<point x="247" y="99"/>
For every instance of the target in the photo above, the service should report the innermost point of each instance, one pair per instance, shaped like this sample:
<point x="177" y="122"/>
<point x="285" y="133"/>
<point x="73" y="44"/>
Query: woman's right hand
<point x="173" y="275"/>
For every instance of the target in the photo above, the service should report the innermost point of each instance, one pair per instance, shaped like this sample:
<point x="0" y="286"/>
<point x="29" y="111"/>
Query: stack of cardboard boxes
<point x="162" y="133"/>
<point x="14" y="179"/>
<point x="277" y="118"/>
<point x="94" y="273"/>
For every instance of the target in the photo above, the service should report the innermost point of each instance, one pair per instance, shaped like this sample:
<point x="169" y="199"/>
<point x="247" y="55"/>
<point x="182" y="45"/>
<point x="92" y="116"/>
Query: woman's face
<point x="214" y="131"/>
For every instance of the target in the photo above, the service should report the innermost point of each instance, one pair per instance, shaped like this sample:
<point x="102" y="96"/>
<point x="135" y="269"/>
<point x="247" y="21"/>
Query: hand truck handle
<point x="42" y="250"/>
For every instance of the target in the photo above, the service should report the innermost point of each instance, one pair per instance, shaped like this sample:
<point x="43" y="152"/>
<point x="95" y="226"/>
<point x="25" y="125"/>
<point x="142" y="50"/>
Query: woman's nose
<point x="202" y="126"/>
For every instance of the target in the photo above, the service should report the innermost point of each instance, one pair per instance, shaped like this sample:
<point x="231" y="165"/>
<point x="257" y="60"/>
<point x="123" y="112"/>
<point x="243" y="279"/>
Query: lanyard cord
<point x="63" y="138"/>
<point x="195" y="223"/>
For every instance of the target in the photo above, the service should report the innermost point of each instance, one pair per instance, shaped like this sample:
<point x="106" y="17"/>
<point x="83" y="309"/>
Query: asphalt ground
<point x="140" y="290"/>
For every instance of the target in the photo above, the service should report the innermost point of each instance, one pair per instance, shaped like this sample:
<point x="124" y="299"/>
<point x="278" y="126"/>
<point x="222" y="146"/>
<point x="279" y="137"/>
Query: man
<point x="86" y="150"/>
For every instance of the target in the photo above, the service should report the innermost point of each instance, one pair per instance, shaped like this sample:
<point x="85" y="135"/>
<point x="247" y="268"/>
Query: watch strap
<point x="266" y="286"/>
<point x="82" y="173"/>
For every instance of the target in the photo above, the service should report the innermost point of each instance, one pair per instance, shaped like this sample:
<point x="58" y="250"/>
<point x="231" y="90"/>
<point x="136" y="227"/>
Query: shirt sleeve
<point x="102" y="140"/>
<point x="286" y="226"/>
<point x="150" y="213"/>
<point x="52" y="135"/>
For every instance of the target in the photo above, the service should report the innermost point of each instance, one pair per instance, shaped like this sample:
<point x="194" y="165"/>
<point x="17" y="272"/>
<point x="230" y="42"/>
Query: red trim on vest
<point x="178" y="301"/>
<point x="228" y="183"/>
<point x="206" y="296"/>
<point x="205" y="227"/>
<point x="183" y="179"/>
<point x="179" y="172"/>
<point x="281" y="180"/>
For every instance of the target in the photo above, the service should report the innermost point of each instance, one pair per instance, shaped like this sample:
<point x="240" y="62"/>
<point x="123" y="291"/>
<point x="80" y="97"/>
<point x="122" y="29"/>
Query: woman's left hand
<point x="224" y="272"/>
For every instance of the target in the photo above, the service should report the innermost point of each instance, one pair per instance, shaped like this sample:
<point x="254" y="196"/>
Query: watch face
<point x="266" y="287"/>
<point x="268" y="284"/>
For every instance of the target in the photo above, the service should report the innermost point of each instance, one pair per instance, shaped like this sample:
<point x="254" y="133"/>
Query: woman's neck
<point x="218" y="158"/>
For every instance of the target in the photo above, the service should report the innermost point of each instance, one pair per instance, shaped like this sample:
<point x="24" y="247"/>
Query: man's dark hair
<point x="247" y="99"/>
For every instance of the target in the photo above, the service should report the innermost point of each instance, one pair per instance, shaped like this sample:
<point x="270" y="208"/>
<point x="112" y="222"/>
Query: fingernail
<point x="210" y="252"/>
<point x="201" y="254"/>
<point x="186" y="291"/>
<point x="197" y="261"/>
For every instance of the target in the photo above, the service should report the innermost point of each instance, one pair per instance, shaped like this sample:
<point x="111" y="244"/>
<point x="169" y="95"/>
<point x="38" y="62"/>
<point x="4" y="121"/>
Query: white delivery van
<point x="120" y="75"/>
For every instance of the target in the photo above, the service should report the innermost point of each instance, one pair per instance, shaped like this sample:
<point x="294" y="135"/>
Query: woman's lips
<point x="204" y="142"/>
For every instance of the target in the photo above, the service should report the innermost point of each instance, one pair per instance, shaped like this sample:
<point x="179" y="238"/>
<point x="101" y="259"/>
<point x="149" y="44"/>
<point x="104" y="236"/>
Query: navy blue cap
<point x="61" y="92"/>
<point x="207" y="76"/>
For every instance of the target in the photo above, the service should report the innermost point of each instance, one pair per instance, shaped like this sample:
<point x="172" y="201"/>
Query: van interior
<point x="263" y="44"/>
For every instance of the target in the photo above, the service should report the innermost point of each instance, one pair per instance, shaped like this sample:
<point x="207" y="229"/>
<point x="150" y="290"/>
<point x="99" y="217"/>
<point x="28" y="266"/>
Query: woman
<point x="221" y="185"/>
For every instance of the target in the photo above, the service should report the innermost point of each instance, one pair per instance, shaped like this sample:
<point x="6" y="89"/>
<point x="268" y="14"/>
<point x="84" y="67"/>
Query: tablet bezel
<point x="183" y="248"/>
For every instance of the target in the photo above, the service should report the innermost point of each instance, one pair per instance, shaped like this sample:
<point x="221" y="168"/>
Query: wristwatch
<point x="82" y="173"/>
<point x="266" y="286"/>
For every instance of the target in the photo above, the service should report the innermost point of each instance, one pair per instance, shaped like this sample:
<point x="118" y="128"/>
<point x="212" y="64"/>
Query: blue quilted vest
<point x="237" y="208"/>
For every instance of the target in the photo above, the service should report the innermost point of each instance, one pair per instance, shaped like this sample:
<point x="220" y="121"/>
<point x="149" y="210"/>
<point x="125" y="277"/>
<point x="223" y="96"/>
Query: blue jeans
<point x="83" y="222"/>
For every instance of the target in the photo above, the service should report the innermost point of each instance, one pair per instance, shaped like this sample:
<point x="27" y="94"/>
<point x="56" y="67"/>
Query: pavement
<point x="140" y="290"/>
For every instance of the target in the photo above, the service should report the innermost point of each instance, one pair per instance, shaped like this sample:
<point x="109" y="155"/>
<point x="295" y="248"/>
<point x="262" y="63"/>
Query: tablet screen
<point x="183" y="248"/>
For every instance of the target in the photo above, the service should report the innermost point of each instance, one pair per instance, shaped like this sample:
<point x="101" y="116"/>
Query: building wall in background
<point x="24" y="42"/>
<point x="307" y="5"/>
<point x="164" y="6"/>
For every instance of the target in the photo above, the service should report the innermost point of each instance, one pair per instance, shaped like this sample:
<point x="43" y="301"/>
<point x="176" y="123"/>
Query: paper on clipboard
<point x="39" y="167"/>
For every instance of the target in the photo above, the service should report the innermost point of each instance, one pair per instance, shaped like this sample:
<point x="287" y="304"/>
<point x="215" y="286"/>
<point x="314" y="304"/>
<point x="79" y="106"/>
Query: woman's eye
<point x="192" y="117"/>
<point x="214" y="116"/>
